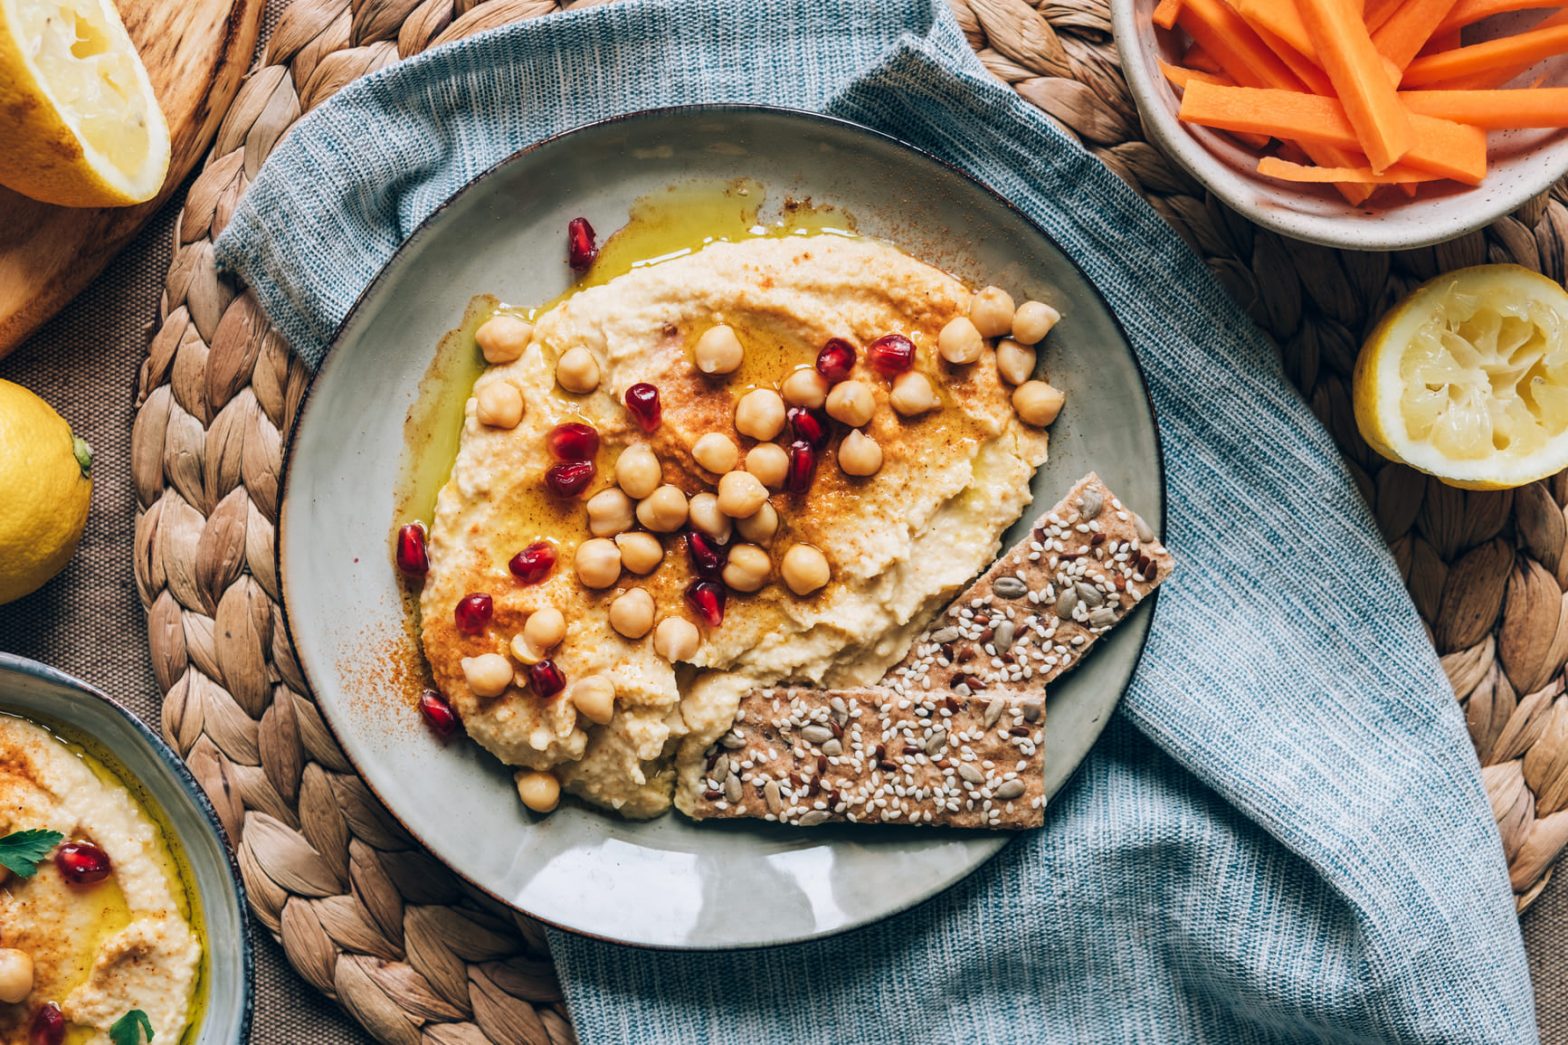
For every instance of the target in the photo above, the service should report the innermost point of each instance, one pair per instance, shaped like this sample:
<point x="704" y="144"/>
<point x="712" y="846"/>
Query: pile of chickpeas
<point x="740" y="501"/>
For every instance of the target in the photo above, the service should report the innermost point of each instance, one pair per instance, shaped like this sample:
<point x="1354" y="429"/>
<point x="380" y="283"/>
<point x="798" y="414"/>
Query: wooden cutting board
<point x="197" y="53"/>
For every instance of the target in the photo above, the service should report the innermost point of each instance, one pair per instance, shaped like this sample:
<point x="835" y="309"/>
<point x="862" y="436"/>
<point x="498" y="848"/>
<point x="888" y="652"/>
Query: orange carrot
<point x="1279" y="17"/>
<point x="1240" y="53"/>
<point x="1517" y="53"/>
<point x="1180" y="75"/>
<point x="1493" y="110"/>
<point x="1377" y="12"/>
<point x="1345" y="49"/>
<point x="1468" y="12"/>
<point x="1165" y="13"/>
<point x="1404" y="34"/>
<point x="1274" y="167"/>
<point x="1302" y="65"/>
<point x="1443" y="147"/>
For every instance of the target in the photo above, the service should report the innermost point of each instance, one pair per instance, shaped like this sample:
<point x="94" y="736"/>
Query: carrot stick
<point x="1404" y="34"/>
<point x="1180" y="75"/>
<point x="1503" y="74"/>
<point x="1493" y="110"/>
<point x="1304" y="67"/>
<point x="1274" y="167"/>
<point x="1165" y="13"/>
<point x="1516" y="52"/>
<point x="1279" y="17"/>
<point x="1240" y="53"/>
<point x="1443" y="40"/>
<point x="1354" y="67"/>
<point x="1377" y="12"/>
<point x="1468" y="12"/>
<point x="1440" y="146"/>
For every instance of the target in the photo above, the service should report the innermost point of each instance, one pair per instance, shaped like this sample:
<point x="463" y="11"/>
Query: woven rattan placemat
<point x="378" y="925"/>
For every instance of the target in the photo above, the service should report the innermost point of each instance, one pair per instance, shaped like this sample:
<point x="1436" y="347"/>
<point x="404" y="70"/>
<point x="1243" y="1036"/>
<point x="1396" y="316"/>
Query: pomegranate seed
<point x="574" y="442"/>
<point x="48" y="1026"/>
<point x="707" y="598"/>
<point x="707" y="556"/>
<point x="439" y="715"/>
<point x="836" y="360"/>
<point x="580" y="247"/>
<point x="534" y="563"/>
<point x="808" y="426"/>
<point x="546" y="679"/>
<point x="412" y="558"/>
<point x="473" y="613"/>
<point x="82" y="863"/>
<point x="802" y="466"/>
<point x="891" y="354"/>
<point x="642" y="400"/>
<point x="569" y="478"/>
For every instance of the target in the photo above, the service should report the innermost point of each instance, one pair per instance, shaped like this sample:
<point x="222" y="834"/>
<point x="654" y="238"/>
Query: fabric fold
<point x="1284" y="834"/>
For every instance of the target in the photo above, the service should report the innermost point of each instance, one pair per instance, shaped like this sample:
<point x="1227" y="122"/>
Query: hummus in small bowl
<point x="104" y="935"/>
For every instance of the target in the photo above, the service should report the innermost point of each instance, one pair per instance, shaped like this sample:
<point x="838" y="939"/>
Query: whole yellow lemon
<point x="45" y="485"/>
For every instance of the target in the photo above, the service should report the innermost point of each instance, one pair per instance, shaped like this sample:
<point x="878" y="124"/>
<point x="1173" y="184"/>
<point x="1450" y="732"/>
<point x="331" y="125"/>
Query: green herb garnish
<point x="128" y="1029"/>
<point x="22" y="851"/>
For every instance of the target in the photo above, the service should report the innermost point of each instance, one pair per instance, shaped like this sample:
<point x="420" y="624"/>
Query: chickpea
<point x="912" y="394"/>
<point x="1032" y="321"/>
<point x="859" y="454"/>
<point x="769" y="463"/>
<point x="488" y="674"/>
<point x="502" y="338"/>
<point x="594" y="698"/>
<point x="748" y="568"/>
<point x="540" y="791"/>
<point x="1015" y="362"/>
<point x="804" y="569"/>
<point x="609" y="513"/>
<point x="760" y="527"/>
<point x="545" y="628"/>
<point x="498" y="404"/>
<point x="706" y="517"/>
<point x="1037" y="403"/>
<point x="598" y="562"/>
<point x="16" y="975"/>
<point x="851" y="402"/>
<point x="676" y="638"/>
<point x="664" y="510"/>
<point x="741" y="494"/>
<point x="638" y="471"/>
<point x="577" y="370"/>
<point x="631" y="613"/>
<point x="760" y="414"/>
<point x="523" y="651"/>
<point x="960" y="341"/>
<point x="640" y="552"/>
<point x="805" y="387"/>
<point x="991" y="311"/>
<point x="718" y="351"/>
<point x="716" y="452"/>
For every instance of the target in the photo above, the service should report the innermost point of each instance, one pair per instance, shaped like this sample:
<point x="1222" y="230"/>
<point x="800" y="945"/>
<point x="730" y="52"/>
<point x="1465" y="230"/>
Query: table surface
<point x="89" y="621"/>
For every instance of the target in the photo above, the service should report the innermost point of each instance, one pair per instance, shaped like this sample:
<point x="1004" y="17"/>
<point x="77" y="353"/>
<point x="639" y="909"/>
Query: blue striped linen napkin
<point x="1283" y="835"/>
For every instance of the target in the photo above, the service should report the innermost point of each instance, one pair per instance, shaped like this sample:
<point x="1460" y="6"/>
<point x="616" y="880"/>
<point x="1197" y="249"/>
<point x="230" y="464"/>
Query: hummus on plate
<point x="105" y="929"/>
<point x="873" y="518"/>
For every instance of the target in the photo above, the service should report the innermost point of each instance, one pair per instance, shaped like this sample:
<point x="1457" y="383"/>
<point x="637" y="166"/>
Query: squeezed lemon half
<point x="83" y="127"/>
<point x="1467" y="379"/>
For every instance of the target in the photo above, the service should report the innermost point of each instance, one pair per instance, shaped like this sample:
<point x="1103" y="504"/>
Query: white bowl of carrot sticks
<point x="1361" y="124"/>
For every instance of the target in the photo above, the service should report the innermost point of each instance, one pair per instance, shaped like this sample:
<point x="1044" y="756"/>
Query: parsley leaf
<point x="128" y="1029"/>
<point x="21" y="851"/>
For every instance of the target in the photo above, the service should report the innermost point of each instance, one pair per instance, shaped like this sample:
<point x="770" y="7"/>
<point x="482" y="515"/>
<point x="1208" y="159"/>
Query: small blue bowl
<point x="82" y="714"/>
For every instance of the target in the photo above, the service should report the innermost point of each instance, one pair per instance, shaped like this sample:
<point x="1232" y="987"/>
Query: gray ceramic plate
<point x="669" y="882"/>
<point x="81" y="713"/>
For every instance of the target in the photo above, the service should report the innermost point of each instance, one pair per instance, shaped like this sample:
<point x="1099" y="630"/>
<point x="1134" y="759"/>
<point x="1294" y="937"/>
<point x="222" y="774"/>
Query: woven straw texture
<point x="378" y="925"/>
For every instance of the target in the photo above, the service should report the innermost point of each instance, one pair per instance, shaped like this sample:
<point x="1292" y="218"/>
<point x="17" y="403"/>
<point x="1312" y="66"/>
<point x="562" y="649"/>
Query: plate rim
<point x="660" y="112"/>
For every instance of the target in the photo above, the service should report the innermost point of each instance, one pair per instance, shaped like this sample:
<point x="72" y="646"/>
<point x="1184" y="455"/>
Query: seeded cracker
<point x="955" y="734"/>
